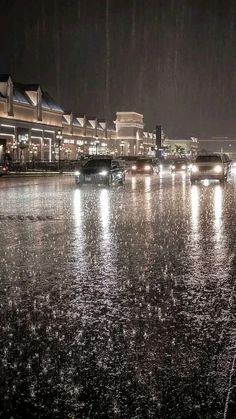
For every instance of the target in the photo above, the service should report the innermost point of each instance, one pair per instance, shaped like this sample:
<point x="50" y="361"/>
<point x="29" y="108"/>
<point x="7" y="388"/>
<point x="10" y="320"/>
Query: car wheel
<point x="121" y="182"/>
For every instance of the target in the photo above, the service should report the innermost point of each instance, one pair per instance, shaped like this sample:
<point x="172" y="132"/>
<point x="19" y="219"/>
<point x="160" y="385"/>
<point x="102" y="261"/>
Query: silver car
<point x="211" y="166"/>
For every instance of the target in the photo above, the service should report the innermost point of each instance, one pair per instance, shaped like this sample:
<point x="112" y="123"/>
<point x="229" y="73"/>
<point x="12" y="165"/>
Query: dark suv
<point x="104" y="171"/>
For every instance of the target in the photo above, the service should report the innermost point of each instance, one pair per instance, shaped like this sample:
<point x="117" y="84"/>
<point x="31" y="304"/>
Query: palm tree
<point x="180" y="150"/>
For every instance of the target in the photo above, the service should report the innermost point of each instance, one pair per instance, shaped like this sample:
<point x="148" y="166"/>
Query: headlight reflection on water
<point x="104" y="208"/>
<point x="215" y="201"/>
<point x="218" y="198"/>
<point x="195" y="208"/>
<point x="133" y="183"/>
<point x="77" y="207"/>
<point x="148" y="196"/>
<point x="147" y="184"/>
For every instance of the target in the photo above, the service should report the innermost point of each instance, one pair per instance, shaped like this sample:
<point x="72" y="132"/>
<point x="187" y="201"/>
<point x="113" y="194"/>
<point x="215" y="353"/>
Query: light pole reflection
<point x="184" y="188"/>
<point x="195" y="204"/>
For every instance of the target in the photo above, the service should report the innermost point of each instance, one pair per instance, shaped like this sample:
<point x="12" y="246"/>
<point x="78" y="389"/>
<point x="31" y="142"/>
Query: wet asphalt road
<point x="120" y="302"/>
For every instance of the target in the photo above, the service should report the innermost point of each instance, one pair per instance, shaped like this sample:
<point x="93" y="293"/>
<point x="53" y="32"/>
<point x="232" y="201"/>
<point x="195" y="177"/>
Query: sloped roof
<point x="89" y="125"/>
<point x="64" y="120"/>
<point x="77" y="123"/>
<point x="49" y="103"/>
<point x="19" y="95"/>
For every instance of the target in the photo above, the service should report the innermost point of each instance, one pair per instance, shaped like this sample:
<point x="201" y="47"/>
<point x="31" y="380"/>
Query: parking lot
<point x="118" y="301"/>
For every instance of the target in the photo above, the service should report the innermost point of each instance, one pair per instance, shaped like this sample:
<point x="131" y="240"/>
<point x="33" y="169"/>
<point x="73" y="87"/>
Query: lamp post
<point x="96" y="144"/>
<point x="59" y="138"/>
<point x="14" y="149"/>
<point x="122" y="144"/>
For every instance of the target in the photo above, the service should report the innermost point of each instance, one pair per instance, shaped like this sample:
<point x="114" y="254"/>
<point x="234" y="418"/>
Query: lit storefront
<point x="30" y="121"/>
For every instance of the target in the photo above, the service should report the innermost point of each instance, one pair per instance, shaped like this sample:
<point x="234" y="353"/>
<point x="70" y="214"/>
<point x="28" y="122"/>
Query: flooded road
<point x="120" y="302"/>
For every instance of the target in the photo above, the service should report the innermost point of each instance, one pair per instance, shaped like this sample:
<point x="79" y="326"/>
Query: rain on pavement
<point x="117" y="302"/>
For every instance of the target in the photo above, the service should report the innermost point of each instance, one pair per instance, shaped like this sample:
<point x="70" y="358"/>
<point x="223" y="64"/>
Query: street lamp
<point x="14" y="149"/>
<point x="122" y="144"/>
<point x="59" y="138"/>
<point x="96" y="144"/>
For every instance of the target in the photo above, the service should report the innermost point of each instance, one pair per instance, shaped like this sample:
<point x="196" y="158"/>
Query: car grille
<point x="206" y="168"/>
<point x="94" y="178"/>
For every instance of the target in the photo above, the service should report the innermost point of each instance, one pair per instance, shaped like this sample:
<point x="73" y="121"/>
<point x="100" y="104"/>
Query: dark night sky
<point x="173" y="60"/>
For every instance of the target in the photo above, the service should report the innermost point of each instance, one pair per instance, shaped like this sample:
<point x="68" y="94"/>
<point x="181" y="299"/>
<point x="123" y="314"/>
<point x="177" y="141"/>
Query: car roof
<point x="209" y="155"/>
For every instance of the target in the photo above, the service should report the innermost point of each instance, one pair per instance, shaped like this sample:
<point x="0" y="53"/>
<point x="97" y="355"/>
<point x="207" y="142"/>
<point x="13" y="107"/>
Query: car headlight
<point x="183" y="167"/>
<point x="103" y="173"/>
<point x="134" y="167"/>
<point x="77" y="173"/>
<point x="173" y="166"/>
<point x="147" y="167"/>
<point x="194" y="169"/>
<point x="218" y="169"/>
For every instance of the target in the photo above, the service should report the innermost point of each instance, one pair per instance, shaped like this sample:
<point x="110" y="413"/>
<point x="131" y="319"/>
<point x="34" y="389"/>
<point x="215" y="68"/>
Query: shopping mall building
<point x="34" y="126"/>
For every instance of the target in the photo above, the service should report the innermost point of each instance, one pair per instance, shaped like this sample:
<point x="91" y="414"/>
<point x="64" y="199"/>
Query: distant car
<point x="145" y="166"/>
<point x="105" y="171"/>
<point x="3" y="169"/>
<point x="127" y="162"/>
<point x="211" y="166"/>
<point x="181" y="165"/>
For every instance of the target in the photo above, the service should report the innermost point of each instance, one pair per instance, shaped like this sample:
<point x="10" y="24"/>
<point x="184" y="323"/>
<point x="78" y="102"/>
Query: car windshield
<point x="99" y="163"/>
<point x="208" y="159"/>
<point x="142" y="162"/>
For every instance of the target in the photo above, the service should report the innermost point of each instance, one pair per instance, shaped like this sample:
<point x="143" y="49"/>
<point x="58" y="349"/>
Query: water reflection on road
<point x="117" y="302"/>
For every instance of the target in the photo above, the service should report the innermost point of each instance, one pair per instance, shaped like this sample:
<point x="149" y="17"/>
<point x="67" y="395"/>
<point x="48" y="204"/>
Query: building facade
<point x="34" y="127"/>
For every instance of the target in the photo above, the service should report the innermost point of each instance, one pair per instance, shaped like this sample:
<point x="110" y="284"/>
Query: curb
<point x="36" y="174"/>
